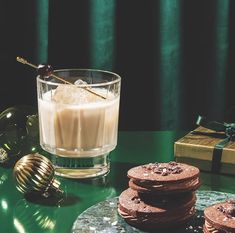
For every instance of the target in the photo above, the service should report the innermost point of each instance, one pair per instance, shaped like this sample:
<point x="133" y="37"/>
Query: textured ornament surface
<point x="34" y="173"/>
<point x="3" y="155"/>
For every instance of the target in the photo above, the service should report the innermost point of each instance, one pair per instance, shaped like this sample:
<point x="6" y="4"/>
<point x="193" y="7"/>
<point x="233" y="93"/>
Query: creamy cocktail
<point x="79" y="121"/>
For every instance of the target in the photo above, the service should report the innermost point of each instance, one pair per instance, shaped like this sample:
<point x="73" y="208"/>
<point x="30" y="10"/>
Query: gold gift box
<point x="197" y="147"/>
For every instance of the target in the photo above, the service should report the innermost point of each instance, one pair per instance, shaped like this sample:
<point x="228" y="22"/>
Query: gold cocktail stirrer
<point x="25" y="62"/>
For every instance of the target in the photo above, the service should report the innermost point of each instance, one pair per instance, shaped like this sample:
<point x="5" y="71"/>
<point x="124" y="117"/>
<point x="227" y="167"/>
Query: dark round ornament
<point x="31" y="144"/>
<point x="13" y="131"/>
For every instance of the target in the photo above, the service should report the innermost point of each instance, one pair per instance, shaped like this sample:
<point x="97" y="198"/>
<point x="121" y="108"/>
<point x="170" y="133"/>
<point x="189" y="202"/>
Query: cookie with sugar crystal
<point x="164" y="178"/>
<point x="162" y="213"/>
<point x="220" y="217"/>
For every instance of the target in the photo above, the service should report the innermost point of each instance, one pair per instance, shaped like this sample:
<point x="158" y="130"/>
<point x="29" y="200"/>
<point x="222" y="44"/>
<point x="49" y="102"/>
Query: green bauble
<point x="31" y="144"/>
<point x="13" y="131"/>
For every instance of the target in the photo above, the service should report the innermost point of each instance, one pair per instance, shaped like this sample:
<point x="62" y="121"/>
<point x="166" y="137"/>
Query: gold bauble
<point x="34" y="173"/>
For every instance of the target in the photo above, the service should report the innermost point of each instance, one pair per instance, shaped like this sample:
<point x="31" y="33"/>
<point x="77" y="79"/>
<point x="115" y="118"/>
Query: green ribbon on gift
<point x="229" y="132"/>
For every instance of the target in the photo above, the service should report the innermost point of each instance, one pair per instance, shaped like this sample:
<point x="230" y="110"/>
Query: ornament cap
<point x="53" y="188"/>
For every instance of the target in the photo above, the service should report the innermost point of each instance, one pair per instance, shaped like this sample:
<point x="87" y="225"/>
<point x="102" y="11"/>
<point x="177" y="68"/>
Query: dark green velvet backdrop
<point x="176" y="57"/>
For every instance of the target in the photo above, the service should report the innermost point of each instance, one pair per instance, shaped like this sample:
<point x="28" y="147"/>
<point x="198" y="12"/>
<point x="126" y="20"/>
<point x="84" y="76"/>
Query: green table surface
<point x="24" y="214"/>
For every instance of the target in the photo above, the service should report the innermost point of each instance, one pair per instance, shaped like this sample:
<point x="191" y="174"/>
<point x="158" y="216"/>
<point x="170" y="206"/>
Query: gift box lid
<point x="200" y="144"/>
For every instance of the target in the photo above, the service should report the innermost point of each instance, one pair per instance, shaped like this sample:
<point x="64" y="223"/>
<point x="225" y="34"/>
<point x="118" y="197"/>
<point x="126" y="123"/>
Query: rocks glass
<point x="78" y="120"/>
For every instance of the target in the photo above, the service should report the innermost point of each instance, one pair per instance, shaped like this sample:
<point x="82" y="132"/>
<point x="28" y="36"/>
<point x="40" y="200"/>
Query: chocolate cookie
<point x="220" y="217"/>
<point x="164" y="178"/>
<point x="155" y="213"/>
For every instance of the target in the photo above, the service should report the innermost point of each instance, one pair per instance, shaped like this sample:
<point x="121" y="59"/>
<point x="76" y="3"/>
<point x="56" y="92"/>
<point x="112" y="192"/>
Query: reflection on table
<point x="22" y="214"/>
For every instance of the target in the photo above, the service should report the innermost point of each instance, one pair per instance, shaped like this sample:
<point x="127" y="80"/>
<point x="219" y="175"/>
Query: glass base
<point x="81" y="168"/>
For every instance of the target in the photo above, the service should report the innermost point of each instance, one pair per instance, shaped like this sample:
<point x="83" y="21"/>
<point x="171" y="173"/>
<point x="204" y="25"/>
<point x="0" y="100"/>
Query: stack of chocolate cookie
<point x="160" y="195"/>
<point x="220" y="217"/>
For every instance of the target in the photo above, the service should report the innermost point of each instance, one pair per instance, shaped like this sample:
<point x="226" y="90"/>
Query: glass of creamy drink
<point x="78" y="120"/>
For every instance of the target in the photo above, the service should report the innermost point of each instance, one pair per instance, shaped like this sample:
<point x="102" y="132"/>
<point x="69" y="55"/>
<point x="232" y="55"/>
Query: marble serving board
<point x="104" y="218"/>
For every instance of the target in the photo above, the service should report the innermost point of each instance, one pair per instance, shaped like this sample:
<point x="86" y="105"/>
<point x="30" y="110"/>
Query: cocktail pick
<point x="34" y="174"/>
<point x="47" y="70"/>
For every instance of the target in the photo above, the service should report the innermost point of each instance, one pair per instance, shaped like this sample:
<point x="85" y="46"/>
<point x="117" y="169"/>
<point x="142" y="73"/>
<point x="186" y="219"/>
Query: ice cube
<point x="80" y="82"/>
<point x="72" y="94"/>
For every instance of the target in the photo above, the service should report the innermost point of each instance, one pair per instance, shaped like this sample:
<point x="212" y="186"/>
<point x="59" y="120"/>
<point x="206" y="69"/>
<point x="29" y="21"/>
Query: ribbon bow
<point x="229" y="131"/>
<point x="227" y="128"/>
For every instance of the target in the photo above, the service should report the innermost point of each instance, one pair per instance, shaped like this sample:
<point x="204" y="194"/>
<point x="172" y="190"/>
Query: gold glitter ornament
<point x="3" y="155"/>
<point x="34" y="174"/>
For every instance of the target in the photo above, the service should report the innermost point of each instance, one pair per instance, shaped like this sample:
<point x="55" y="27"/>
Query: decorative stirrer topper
<point x="46" y="71"/>
<point x="34" y="174"/>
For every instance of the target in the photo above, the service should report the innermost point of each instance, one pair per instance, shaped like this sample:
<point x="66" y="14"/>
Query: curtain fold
<point x="175" y="57"/>
<point x="218" y="96"/>
<point x="169" y="74"/>
<point x="102" y="34"/>
<point x="42" y="14"/>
